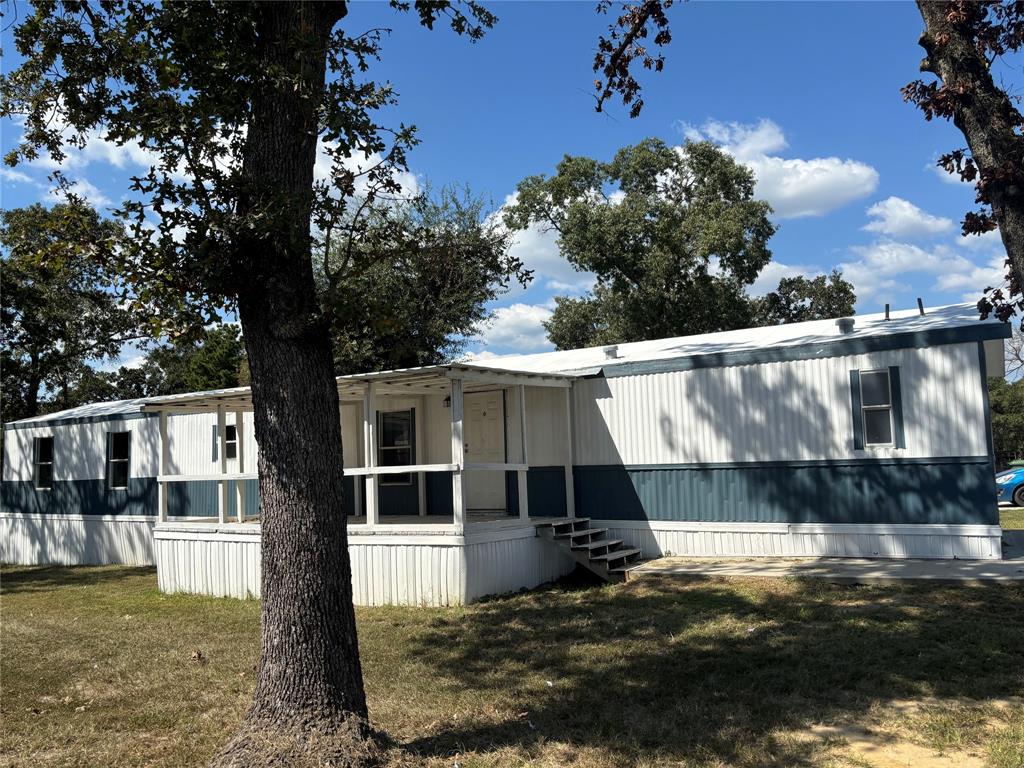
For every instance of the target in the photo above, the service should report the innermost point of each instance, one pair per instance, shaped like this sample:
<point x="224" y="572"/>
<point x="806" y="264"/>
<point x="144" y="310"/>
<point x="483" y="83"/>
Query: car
<point x="1011" y="486"/>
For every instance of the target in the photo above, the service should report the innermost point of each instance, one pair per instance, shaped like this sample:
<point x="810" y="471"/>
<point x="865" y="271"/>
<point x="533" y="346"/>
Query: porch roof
<point x="425" y="380"/>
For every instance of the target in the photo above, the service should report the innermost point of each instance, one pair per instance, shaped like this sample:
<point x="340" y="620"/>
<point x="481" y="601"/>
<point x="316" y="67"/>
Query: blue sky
<point x="806" y="94"/>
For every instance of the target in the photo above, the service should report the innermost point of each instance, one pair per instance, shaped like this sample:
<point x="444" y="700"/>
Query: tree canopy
<point x="417" y="275"/>
<point x="59" y="309"/>
<point x="673" y="235"/>
<point x="798" y="299"/>
<point x="1006" y="401"/>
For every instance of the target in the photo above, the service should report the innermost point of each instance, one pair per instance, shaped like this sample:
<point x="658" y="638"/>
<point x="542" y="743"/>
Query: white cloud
<point x="885" y="268"/>
<point x="470" y="357"/>
<point x="795" y="187"/>
<point x="538" y="250"/>
<point x="989" y="241"/>
<point x="947" y="178"/>
<point x="84" y="189"/>
<point x="16" y="177"/>
<point x="975" y="279"/>
<point x="409" y="182"/>
<point x="518" y="328"/>
<point x="897" y="217"/>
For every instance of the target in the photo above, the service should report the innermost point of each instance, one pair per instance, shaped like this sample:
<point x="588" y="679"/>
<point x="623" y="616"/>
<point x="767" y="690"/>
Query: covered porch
<point x="448" y="472"/>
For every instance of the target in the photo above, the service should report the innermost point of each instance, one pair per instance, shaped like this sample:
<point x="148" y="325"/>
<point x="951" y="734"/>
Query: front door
<point x="485" y="443"/>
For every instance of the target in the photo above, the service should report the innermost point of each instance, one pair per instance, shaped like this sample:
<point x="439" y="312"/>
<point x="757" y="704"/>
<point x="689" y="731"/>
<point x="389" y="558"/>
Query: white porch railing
<point x="458" y="465"/>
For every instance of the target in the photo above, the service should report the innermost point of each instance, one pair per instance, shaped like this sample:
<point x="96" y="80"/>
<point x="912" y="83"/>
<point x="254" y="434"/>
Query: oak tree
<point x="417" y="274"/>
<point x="962" y="40"/>
<point x="674" y="235"/>
<point x="798" y="299"/>
<point x="59" y="311"/>
<point x="231" y="101"/>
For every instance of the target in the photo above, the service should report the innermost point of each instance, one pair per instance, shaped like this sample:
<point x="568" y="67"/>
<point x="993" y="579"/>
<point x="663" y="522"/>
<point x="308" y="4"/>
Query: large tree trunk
<point x="984" y="113"/>
<point x="309" y="701"/>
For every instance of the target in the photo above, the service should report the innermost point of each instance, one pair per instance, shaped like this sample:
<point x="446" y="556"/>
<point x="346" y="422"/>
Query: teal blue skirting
<point x="953" y="491"/>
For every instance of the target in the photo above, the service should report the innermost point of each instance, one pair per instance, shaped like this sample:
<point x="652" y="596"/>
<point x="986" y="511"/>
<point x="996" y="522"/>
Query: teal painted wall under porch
<point x="951" y="491"/>
<point x="954" y="491"/>
<point x="197" y="498"/>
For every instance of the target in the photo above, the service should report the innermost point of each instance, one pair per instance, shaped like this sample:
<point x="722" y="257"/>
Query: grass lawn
<point x="1012" y="518"/>
<point x="98" y="670"/>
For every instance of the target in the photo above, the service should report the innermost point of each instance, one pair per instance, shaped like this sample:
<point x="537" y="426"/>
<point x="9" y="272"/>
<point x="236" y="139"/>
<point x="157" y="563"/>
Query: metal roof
<point x="557" y="368"/>
<point x="91" y="412"/>
<point x="594" y="359"/>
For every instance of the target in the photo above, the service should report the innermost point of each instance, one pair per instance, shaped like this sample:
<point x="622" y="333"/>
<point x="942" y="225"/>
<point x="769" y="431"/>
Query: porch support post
<point x="458" y="458"/>
<point x="358" y="484"/>
<point x="570" y="491"/>
<point x="521" y="475"/>
<point x="162" y="486"/>
<point x="222" y="485"/>
<point x="420" y="457"/>
<point x="370" y="449"/>
<point x="240" y="452"/>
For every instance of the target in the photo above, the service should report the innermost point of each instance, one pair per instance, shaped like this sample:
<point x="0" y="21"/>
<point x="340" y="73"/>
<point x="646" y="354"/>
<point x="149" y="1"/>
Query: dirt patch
<point x="882" y="750"/>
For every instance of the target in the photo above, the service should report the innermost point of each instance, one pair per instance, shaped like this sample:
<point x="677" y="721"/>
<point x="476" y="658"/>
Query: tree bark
<point x="309" y="685"/>
<point x="983" y="113"/>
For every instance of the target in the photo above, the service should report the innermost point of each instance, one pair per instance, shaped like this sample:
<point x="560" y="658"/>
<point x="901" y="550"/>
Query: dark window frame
<point x="37" y="463"/>
<point x="230" y="441"/>
<point x="125" y="461"/>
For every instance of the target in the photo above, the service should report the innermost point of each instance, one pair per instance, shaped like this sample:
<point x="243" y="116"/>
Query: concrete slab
<point x="851" y="570"/>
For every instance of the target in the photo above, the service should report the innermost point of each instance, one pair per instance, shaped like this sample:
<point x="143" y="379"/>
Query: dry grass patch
<point x="1011" y="518"/>
<point x="98" y="669"/>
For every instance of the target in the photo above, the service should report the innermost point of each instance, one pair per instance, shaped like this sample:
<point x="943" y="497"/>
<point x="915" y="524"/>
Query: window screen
<point x="42" y="463"/>
<point x="119" y="448"/>
<point x="395" y="448"/>
<point x="876" y="407"/>
<point x="231" y="441"/>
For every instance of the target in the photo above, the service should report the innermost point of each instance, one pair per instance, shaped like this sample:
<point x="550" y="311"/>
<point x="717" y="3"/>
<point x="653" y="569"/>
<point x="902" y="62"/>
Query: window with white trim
<point x="119" y="451"/>
<point x="395" y="445"/>
<point x="42" y="463"/>
<point x="876" y="407"/>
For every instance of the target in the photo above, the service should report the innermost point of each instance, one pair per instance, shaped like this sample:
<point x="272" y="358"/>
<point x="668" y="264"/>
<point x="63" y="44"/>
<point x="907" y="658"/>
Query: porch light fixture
<point x="447" y="401"/>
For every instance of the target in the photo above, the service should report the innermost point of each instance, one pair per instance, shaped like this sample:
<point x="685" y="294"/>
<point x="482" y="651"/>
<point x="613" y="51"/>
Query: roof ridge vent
<point x="611" y="352"/>
<point x="845" y="324"/>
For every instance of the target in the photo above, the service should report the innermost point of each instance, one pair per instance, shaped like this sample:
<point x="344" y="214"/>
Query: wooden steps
<point x="591" y="548"/>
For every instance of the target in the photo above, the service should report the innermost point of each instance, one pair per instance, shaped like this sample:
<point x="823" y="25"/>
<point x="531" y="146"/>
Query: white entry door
<point x="484" y="435"/>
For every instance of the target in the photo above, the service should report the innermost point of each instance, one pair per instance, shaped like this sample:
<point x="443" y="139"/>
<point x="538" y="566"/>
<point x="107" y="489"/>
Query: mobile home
<point x="867" y="436"/>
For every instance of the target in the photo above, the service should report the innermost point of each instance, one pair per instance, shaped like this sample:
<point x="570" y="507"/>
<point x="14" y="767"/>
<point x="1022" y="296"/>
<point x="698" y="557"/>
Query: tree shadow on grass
<point x="709" y="671"/>
<point x="15" y="579"/>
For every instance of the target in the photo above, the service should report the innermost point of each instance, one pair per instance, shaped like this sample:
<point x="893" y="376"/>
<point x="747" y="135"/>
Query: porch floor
<point x="471" y="518"/>
<point x="495" y="519"/>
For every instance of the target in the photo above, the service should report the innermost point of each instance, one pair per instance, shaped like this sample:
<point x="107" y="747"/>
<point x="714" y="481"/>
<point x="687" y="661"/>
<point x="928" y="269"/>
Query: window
<point x="119" y="448"/>
<point x="231" y="441"/>
<point x="42" y="463"/>
<point x="876" y="407"/>
<point x="395" y="448"/>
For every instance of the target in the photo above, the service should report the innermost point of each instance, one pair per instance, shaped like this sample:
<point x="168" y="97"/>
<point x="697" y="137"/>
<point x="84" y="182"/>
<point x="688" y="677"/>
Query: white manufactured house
<point x="864" y="437"/>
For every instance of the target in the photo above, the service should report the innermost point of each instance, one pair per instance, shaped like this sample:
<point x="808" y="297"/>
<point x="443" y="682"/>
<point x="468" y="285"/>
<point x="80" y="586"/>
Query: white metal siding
<point x="433" y="569"/>
<point x="214" y="563"/>
<point x="508" y="565"/>
<point x="79" y="450"/>
<point x="75" y="540"/>
<point x="191" y="444"/>
<point x="784" y="540"/>
<point x="782" y="411"/>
